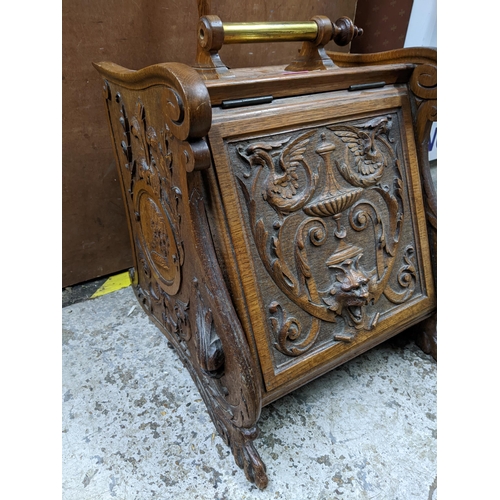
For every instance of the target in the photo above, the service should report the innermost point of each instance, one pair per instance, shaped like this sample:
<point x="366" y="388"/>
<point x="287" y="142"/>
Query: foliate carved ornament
<point x="154" y="198"/>
<point x="324" y="186"/>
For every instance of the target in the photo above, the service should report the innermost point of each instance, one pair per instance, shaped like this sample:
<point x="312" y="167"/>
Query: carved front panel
<point x="333" y="239"/>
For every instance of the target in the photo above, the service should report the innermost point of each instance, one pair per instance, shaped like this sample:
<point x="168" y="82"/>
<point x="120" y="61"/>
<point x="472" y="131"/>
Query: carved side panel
<point x="332" y="230"/>
<point x="176" y="276"/>
<point x="423" y="85"/>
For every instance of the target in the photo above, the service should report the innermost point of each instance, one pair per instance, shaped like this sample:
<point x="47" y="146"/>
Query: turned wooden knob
<point x="344" y="31"/>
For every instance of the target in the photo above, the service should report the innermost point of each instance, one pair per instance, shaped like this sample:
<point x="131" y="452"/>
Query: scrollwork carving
<point x="317" y="233"/>
<point x="288" y="330"/>
<point x="423" y="82"/>
<point x="359" y="172"/>
<point x="406" y="278"/>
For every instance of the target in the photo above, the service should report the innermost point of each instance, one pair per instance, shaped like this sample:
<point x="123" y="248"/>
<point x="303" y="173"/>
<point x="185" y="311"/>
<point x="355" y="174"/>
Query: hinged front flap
<point x="325" y="214"/>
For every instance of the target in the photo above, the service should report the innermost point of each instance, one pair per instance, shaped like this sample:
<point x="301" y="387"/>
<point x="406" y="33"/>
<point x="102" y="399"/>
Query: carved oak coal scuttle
<point x="283" y="219"/>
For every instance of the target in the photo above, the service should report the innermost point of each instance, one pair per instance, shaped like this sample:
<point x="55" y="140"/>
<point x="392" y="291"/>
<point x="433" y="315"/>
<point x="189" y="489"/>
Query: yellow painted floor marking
<point x="114" y="283"/>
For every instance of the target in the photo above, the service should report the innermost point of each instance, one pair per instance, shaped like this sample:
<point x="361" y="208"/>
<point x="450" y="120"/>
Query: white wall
<point x="422" y="29"/>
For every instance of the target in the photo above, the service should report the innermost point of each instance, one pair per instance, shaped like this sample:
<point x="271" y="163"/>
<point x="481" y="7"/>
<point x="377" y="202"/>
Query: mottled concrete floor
<point x="135" y="427"/>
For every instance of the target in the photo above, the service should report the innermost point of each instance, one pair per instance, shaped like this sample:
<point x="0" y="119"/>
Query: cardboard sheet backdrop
<point x="138" y="33"/>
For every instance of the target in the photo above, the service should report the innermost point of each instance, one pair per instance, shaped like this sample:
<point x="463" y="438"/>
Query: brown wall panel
<point x="134" y="34"/>
<point x="385" y="23"/>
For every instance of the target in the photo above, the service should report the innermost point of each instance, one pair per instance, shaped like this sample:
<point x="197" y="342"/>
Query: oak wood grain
<point x="274" y="242"/>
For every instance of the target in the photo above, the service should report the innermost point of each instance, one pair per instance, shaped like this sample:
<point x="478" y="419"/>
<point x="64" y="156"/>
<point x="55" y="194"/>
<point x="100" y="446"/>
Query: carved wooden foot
<point x="426" y="336"/>
<point x="226" y="419"/>
<point x="234" y="423"/>
<point x="246" y="456"/>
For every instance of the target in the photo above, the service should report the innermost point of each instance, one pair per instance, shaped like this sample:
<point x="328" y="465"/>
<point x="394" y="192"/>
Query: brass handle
<point x="315" y="34"/>
<point x="270" y="32"/>
<point x="213" y="33"/>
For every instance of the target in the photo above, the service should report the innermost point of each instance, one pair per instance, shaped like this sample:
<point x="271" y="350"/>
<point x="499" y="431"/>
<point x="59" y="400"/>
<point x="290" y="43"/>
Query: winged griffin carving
<point x="369" y="162"/>
<point x="281" y="185"/>
<point x="328" y="186"/>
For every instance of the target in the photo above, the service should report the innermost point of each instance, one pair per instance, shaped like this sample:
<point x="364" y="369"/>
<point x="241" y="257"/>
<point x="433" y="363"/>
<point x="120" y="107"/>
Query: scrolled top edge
<point x="423" y="81"/>
<point x="192" y="100"/>
<point x="416" y="55"/>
